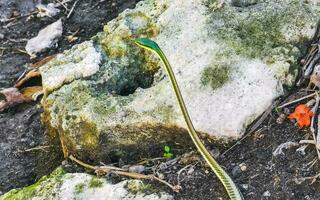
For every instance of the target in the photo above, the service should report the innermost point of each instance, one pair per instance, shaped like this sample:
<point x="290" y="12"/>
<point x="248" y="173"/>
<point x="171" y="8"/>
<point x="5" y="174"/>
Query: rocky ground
<point x="27" y="153"/>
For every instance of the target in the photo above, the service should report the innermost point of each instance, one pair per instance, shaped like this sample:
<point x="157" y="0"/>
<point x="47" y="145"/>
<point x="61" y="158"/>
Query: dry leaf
<point x="42" y="62"/>
<point x="32" y="92"/>
<point x="26" y="76"/>
<point x="13" y="96"/>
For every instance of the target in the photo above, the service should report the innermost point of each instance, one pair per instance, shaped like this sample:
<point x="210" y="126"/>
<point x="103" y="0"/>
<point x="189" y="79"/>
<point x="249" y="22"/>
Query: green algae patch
<point x="255" y="31"/>
<point x="95" y="183"/>
<point x="45" y="184"/>
<point x="79" y="188"/>
<point x="215" y="75"/>
<point x="137" y="186"/>
<point x="118" y="40"/>
<point x="89" y="134"/>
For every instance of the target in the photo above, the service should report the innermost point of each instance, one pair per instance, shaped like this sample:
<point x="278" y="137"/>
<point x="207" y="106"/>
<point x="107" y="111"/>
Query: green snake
<point x="227" y="182"/>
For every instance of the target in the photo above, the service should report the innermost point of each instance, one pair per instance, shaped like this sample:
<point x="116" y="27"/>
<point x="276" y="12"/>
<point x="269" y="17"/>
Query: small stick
<point x="297" y="100"/>
<point x="74" y="5"/>
<point x="62" y="4"/>
<point x="35" y="148"/>
<point x="309" y="142"/>
<point x="82" y="163"/>
<point x="121" y="172"/>
<point x="312" y="128"/>
<point x="313" y="178"/>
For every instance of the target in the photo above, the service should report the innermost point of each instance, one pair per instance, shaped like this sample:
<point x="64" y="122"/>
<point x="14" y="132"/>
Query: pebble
<point x="1" y="36"/>
<point x="236" y="171"/>
<point x="245" y="186"/>
<point x="137" y="169"/>
<point x="243" y="167"/>
<point x="161" y="176"/>
<point x="215" y="152"/>
<point x="266" y="194"/>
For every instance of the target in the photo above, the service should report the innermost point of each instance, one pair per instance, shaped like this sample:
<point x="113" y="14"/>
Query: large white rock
<point x="231" y="60"/>
<point x="81" y="186"/>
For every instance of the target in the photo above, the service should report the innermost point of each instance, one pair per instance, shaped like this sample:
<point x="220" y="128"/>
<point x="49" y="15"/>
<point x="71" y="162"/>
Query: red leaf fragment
<point x="302" y="114"/>
<point x="13" y="96"/>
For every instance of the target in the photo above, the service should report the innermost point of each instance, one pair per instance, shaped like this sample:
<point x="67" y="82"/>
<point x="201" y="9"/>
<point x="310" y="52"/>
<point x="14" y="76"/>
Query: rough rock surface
<point x="46" y="38"/>
<point x="65" y="186"/>
<point x="230" y="61"/>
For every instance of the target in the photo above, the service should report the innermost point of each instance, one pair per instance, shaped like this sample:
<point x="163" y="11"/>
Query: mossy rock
<point x="230" y="62"/>
<point x="65" y="186"/>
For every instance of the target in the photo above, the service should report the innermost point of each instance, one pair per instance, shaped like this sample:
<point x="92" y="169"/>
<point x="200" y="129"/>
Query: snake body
<point x="229" y="185"/>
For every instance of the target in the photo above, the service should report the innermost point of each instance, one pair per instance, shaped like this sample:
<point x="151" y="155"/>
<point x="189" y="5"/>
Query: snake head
<point x="147" y="44"/>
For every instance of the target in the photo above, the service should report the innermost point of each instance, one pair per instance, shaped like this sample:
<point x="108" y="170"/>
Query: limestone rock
<point x="46" y="38"/>
<point x="230" y="62"/>
<point x="65" y="186"/>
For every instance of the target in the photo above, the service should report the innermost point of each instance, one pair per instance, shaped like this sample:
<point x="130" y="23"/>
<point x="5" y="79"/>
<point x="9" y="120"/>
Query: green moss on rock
<point x="79" y="188"/>
<point x="46" y="183"/>
<point x="95" y="183"/>
<point x="255" y="31"/>
<point x="215" y="75"/>
<point x="137" y="186"/>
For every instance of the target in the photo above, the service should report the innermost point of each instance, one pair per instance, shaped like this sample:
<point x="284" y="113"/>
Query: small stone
<point x="1" y="36"/>
<point x="47" y="10"/>
<point x="137" y="169"/>
<point x="161" y="176"/>
<point x="243" y="167"/>
<point x="282" y="117"/>
<point x="215" y="152"/>
<point x="46" y="38"/>
<point x="236" y="171"/>
<point x="266" y="194"/>
<point x="190" y="171"/>
<point x="245" y="186"/>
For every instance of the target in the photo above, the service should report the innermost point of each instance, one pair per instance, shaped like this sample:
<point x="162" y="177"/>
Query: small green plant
<point x="167" y="152"/>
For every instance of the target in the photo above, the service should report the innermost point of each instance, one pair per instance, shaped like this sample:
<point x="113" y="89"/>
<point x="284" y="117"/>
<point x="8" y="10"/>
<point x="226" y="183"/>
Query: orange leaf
<point x="302" y="114"/>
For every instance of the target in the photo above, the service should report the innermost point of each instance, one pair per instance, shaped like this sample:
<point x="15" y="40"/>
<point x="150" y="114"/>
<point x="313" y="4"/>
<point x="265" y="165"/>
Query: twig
<point x="301" y="180"/>
<point x="62" y="4"/>
<point x="297" y="100"/>
<point x="312" y="128"/>
<point x="35" y="149"/>
<point x="73" y="6"/>
<point x="148" y="160"/>
<point x="99" y="170"/>
<point x="309" y="142"/>
<point x="18" y="17"/>
<point x="2" y="49"/>
<point x="82" y="163"/>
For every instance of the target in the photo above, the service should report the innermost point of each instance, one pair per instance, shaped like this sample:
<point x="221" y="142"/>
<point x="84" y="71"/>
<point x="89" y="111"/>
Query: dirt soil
<point x="26" y="153"/>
